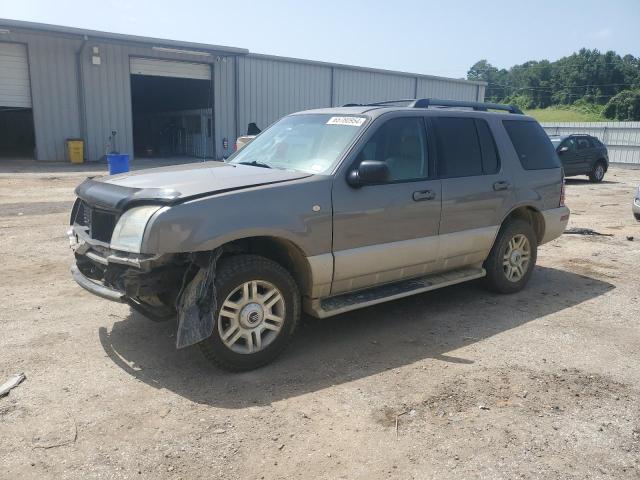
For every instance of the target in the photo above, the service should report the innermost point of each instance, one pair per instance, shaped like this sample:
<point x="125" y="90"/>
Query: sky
<point x="443" y="37"/>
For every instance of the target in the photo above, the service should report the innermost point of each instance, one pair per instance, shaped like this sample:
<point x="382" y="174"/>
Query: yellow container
<point x="75" y="150"/>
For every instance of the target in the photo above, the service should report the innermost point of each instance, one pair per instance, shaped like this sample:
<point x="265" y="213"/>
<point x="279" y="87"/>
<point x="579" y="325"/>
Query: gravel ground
<point x="456" y="383"/>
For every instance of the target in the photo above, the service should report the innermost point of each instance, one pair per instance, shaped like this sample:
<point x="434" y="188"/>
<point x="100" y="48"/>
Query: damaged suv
<point x="326" y="211"/>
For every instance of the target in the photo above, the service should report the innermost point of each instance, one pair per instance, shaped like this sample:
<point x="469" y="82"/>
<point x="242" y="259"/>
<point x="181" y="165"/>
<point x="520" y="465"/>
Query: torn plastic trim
<point x="196" y="303"/>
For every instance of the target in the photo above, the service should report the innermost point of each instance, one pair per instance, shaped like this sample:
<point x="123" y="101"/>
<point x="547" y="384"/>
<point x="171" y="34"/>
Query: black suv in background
<point x="582" y="155"/>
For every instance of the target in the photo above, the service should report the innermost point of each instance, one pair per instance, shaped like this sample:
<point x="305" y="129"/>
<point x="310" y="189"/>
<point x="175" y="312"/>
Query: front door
<point x="387" y="232"/>
<point x="569" y="157"/>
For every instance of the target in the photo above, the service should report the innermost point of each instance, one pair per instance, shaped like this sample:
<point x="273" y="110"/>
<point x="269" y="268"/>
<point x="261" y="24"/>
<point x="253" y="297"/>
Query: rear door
<point x="584" y="155"/>
<point x="477" y="190"/>
<point x="387" y="232"/>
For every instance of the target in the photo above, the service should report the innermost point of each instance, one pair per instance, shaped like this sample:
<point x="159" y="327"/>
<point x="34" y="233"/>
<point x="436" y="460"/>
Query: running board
<point x="327" y="307"/>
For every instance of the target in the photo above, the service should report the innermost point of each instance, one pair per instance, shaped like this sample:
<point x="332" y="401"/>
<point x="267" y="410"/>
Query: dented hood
<point x="177" y="183"/>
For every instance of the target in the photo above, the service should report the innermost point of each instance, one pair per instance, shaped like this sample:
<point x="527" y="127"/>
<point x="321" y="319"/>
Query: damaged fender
<point x="196" y="303"/>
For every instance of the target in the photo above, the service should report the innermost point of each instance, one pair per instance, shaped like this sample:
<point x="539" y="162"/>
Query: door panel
<point x="569" y="159"/>
<point x="583" y="155"/>
<point x="477" y="194"/>
<point x="471" y="215"/>
<point x="381" y="234"/>
<point x="387" y="232"/>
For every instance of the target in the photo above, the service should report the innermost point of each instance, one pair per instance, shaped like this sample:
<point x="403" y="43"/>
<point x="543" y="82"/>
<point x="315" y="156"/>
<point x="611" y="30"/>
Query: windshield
<point x="310" y="143"/>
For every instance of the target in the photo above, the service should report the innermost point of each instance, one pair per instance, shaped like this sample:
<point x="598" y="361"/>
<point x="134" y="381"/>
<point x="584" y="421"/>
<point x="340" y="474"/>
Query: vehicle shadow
<point x="349" y="346"/>
<point x="586" y="181"/>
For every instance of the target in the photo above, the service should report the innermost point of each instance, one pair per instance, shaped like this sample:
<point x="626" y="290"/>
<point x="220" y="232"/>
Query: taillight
<point x="562" y="193"/>
<point x="235" y="147"/>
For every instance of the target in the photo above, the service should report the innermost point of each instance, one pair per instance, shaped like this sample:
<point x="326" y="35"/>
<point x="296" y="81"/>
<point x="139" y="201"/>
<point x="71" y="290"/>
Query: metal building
<point x="165" y="97"/>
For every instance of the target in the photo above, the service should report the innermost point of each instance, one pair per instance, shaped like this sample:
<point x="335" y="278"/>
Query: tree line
<point x="607" y="82"/>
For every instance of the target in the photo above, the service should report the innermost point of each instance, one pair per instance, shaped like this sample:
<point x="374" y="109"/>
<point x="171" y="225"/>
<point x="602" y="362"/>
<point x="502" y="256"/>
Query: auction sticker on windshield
<point x="351" y="121"/>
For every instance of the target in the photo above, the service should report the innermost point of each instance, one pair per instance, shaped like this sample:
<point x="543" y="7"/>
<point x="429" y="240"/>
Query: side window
<point x="583" y="143"/>
<point x="570" y="143"/>
<point x="459" y="152"/>
<point x="402" y="144"/>
<point x="490" y="159"/>
<point x="532" y="144"/>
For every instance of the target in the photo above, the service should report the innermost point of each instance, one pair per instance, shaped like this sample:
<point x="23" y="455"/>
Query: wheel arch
<point x="282" y="251"/>
<point x="531" y="215"/>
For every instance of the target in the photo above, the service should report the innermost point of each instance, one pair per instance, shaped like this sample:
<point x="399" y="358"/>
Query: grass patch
<point x="567" y="114"/>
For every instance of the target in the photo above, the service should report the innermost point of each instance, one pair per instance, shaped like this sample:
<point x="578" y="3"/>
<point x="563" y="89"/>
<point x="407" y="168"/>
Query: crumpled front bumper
<point x="121" y="276"/>
<point x="96" y="287"/>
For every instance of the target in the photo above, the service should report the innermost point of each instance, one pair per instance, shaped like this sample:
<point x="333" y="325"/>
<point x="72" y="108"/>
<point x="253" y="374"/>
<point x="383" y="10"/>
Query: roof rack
<point x="434" y="102"/>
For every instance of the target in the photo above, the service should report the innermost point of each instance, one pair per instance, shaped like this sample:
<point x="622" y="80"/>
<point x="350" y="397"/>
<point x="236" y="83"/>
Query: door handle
<point x="422" y="195"/>
<point x="502" y="185"/>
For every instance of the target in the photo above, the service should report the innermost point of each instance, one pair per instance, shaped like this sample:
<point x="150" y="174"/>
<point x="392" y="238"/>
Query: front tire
<point x="258" y="310"/>
<point x="512" y="258"/>
<point x="597" y="174"/>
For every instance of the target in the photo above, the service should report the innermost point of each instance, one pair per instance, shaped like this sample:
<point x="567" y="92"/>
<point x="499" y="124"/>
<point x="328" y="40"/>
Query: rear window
<point x="532" y="145"/>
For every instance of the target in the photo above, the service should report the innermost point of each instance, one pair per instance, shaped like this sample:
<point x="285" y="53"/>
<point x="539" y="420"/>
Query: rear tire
<point x="597" y="174"/>
<point x="512" y="258"/>
<point x="258" y="310"/>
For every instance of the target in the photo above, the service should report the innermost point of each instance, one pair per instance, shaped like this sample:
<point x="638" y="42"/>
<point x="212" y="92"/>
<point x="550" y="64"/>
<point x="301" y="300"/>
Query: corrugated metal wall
<point x="271" y="87"/>
<point x="224" y="104"/>
<point x="54" y="91"/>
<point x="268" y="89"/>
<point x="108" y="93"/>
<point x="356" y="86"/>
<point x="253" y="88"/>
<point x="434" y="88"/>
<point x="621" y="138"/>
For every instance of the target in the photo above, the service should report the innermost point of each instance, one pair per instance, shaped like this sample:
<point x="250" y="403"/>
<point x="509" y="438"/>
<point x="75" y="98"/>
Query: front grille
<point x="100" y="222"/>
<point x="102" y="225"/>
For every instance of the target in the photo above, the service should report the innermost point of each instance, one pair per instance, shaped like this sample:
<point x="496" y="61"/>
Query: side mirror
<point x="369" y="171"/>
<point x="563" y="150"/>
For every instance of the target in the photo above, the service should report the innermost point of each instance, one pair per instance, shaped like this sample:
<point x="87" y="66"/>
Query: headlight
<point x="127" y="235"/>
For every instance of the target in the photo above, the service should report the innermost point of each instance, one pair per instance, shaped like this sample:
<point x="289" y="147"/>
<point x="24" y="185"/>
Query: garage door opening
<point x="172" y="114"/>
<point x="17" y="135"/>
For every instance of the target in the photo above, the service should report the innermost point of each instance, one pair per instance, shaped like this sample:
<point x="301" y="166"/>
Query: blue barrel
<point x="118" y="163"/>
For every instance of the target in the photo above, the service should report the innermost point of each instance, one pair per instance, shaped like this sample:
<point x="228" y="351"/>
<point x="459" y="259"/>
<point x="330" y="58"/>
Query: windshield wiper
<point x="255" y="163"/>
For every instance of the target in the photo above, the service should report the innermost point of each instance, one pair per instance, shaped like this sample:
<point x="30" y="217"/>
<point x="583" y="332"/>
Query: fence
<point x="621" y="138"/>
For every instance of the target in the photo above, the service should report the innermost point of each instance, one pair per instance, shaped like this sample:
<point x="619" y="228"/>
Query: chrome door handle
<point x="502" y="185"/>
<point x="422" y="195"/>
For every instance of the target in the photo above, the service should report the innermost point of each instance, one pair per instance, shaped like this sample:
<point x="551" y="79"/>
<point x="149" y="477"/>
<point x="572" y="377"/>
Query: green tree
<point x="624" y="106"/>
<point x="497" y="89"/>
<point x="587" y="76"/>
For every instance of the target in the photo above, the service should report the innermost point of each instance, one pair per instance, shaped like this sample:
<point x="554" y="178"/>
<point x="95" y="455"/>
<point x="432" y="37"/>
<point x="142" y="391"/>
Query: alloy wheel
<point x="251" y="317"/>
<point x="517" y="257"/>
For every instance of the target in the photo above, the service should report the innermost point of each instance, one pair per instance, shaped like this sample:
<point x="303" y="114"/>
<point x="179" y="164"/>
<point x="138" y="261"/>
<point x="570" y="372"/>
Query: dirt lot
<point x="455" y="383"/>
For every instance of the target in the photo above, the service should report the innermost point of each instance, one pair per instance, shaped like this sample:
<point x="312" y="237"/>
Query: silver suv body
<point x="327" y="210"/>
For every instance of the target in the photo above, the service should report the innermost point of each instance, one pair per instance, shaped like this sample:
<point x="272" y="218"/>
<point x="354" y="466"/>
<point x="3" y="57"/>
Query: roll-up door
<point x="15" y="89"/>
<point x="169" y="68"/>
